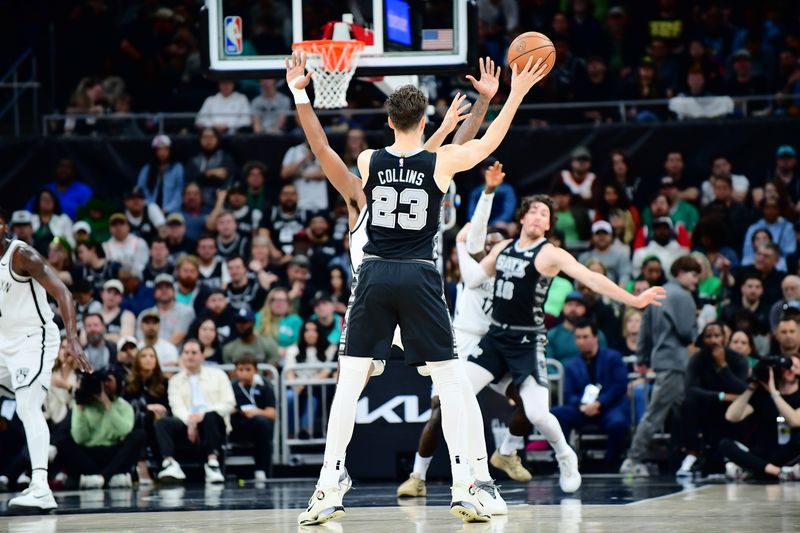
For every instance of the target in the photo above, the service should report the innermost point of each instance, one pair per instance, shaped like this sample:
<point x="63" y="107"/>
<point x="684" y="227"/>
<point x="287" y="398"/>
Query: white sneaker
<point x="345" y="481"/>
<point x="634" y="468"/>
<point x="686" y="466"/>
<point x="790" y="473"/>
<point x="52" y="452"/>
<point x="259" y="475"/>
<point x="213" y="473"/>
<point x="378" y="366"/>
<point x="34" y="497"/>
<point x="3" y="482"/>
<point x="570" y="478"/>
<point x="325" y="504"/>
<point x="92" y="482"/>
<point x="120" y="481"/>
<point x="489" y="495"/>
<point x="171" y="470"/>
<point x="466" y="505"/>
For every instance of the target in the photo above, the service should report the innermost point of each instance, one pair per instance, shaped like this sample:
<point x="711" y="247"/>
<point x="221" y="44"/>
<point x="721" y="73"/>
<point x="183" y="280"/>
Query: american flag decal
<point x="437" y="39"/>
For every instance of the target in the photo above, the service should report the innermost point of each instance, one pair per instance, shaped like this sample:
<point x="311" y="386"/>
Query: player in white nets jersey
<point x="29" y="343"/>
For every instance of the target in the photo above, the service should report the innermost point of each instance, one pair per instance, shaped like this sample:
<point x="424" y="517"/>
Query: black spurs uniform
<point x="398" y="283"/>
<point x="517" y="338"/>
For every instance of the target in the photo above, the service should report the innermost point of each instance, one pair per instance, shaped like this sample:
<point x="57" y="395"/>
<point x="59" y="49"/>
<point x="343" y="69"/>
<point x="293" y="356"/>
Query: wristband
<point x="721" y="396"/>
<point x="775" y="394"/>
<point x="300" y="95"/>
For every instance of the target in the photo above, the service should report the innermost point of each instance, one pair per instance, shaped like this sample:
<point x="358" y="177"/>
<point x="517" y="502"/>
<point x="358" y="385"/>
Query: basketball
<point x="532" y="44"/>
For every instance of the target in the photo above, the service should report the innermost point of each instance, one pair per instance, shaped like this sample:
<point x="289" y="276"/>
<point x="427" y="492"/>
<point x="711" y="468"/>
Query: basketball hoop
<point x="333" y="64"/>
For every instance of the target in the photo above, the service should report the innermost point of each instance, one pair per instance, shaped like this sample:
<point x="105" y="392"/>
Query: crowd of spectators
<point x="147" y="59"/>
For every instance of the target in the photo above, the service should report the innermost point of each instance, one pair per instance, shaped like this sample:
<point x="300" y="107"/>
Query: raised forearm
<point x="791" y="415"/>
<point x="736" y="410"/>
<point x="472" y="125"/>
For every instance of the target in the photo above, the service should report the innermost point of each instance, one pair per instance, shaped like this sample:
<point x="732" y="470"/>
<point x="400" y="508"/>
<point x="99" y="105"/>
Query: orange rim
<point x="336" y="55"/>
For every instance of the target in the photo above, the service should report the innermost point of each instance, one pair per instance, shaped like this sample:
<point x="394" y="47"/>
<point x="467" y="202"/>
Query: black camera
<point x="776" y="362"/>
<point x="89" y="386"/>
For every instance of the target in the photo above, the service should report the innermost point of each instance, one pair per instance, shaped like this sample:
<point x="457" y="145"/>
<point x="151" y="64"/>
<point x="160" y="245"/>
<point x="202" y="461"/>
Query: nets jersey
<point x="519" y="289"/>
<point x="23" y="301"/>
<point x="474" y="308"/>
<point x="404" y="205"/>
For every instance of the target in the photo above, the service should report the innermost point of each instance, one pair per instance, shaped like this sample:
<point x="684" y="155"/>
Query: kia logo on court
<point x="391" y="411"/>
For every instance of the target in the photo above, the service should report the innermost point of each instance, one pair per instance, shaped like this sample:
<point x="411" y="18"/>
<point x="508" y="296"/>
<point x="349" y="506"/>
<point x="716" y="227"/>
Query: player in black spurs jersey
<point x="398" y="284"/>
<point x="516" y="340"/>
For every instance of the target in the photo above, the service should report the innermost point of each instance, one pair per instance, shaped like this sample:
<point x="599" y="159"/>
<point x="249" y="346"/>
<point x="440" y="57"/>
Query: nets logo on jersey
<point x="22" y="373"/>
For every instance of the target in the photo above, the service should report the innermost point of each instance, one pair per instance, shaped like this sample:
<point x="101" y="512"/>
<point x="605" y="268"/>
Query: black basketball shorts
<point x="519" y="353"/>
<point x="407" y="293"/>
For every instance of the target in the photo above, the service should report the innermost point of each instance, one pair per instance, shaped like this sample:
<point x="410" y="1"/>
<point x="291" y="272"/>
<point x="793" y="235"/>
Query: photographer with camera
<point x="103" y="446"/>
<point x="774" y="409"/>
<point x="715" y="377"/>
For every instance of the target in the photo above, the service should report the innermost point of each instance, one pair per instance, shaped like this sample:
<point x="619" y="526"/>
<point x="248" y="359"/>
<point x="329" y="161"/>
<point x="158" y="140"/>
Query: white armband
<point x="476" y="237"/>
<point x="300" y="95"/>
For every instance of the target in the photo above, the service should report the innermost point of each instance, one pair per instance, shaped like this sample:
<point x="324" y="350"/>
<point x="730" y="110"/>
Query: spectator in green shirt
<point x="680" y="211"/>
<point x="561" y="339"/>
<point x="103" y="446"/>
<point x="276" y="321"/>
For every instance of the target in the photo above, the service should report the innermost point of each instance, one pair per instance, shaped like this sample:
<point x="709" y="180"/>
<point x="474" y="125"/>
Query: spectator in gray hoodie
<point x="666" y="333"/>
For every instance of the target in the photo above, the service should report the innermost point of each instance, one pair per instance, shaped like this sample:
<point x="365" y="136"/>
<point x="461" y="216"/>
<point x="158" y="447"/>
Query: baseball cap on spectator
<point x="21" y="218"/>
<point x="245" y="315"/>
<point x="161" y="140"/>
<point x="321" y="296"/>
<point x="301" y="261"/>
<point x="575" y="296"/>
<point x="176" y="219"/>
<point x="136" y="192"/>
<point x="217" y="290"/>
<point x="785" y="150"/>
<point x="151" y="313"/>
<point x="238" y="188"/>
<point x="741" y="53"/>
<point x="124" y="341"/>
<point x="663" y="220"/>
<point x="117" y="217"/>
<point x="647" y="61"/>
<point x="164" y="278"/>
<point x="581" y="152"/>
<point x="82" y="226"/>
<point x="114" y="284"/>
<point x="602" y="225"/>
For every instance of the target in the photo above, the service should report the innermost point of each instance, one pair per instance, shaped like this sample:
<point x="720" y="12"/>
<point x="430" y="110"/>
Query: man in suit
<point x="603" y="368"/>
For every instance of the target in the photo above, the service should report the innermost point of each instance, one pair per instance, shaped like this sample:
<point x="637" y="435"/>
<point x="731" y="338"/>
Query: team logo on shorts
<point x="22" y="373"/>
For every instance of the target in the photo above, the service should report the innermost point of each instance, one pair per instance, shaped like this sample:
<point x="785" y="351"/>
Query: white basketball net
<point x="333" y="64"/>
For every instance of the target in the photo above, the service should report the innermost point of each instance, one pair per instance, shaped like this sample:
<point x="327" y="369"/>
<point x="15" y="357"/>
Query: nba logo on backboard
<point x="233" y="36"/>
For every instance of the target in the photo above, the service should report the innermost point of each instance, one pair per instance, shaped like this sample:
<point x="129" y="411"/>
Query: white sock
<point x="353" y="373"/>
<point x="511" y="443"/>
<point x="421" y="465"/>
<point x="37" y="434"/>
<point x="476" y="379"/>
<point x="449" y="377"/>
<point x="480" y="469"/>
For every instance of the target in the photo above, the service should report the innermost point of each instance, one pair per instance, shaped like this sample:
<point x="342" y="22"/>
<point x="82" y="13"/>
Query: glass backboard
<point x="246" y="38"/>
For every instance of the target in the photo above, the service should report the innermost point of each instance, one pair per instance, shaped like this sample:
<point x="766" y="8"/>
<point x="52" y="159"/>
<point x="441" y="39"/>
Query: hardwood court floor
<point x="707" y="509"/>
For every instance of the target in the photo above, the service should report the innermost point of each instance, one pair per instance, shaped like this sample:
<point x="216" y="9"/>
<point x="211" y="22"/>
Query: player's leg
<point x="505" y="457"/>
<point x="369" y="329"/>
<point x="426" y="329"/>
<point x="536" y="401"/>
<point x="414" y="486"/>
<point x="30" y="369"/>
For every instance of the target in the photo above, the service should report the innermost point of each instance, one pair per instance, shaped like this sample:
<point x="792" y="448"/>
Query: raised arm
<point x="471" y="272"/>
<point x="454" y="158"/>
<point x="454" y="115"/>
<point x="476" y="238"/>
<point x="487" y="87"/>
<point x="552" y="260"/>
<point x="345" y="182"/>
<point x="28" y="262"/>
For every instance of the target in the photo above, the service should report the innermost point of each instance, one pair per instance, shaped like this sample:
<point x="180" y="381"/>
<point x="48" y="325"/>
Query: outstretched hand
<point x="494" y="176"/>
<point x="295" y="68"/>
<point x="530" y="75"/>
<point x="489" y="81"/>
<point x="651" y="296"/>
<point x="456" y="112"/>
<point x="75" y="350"/>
